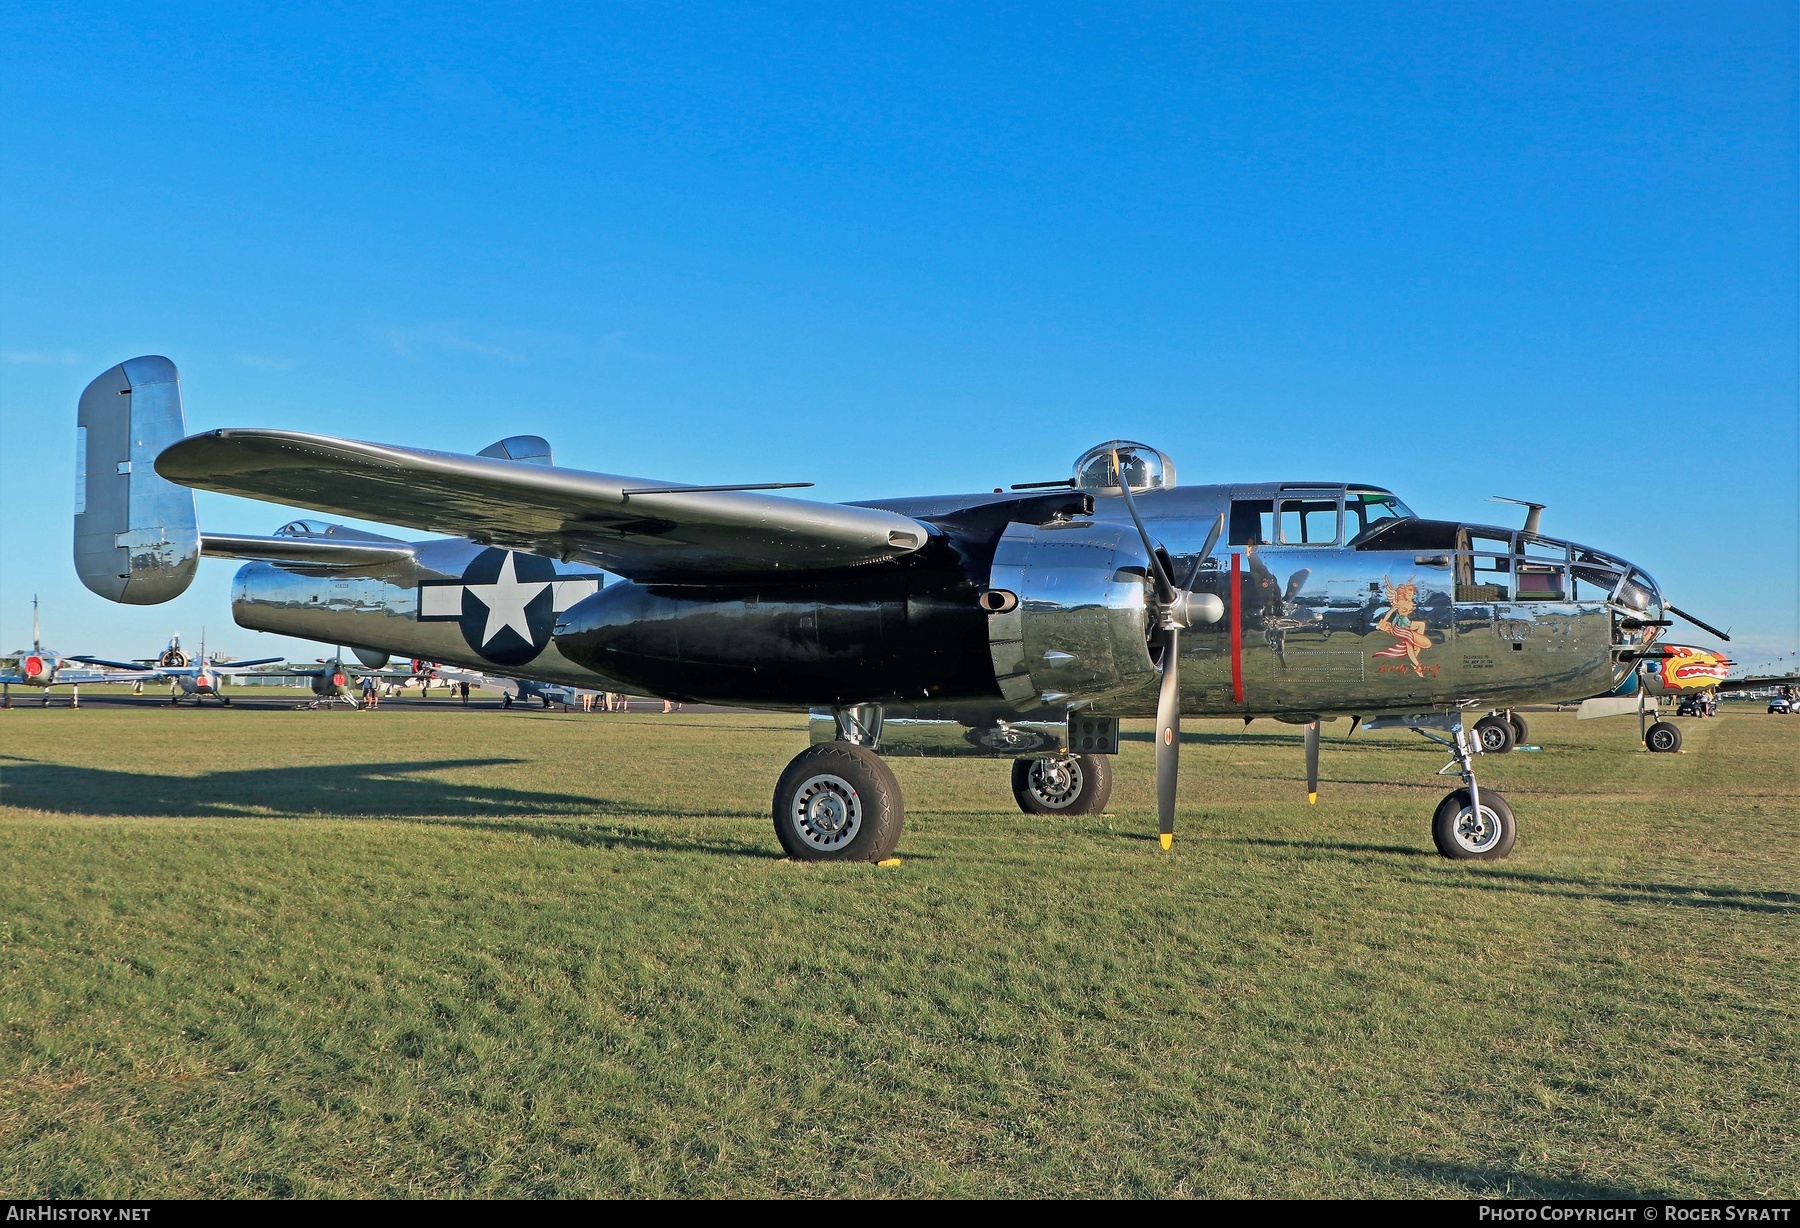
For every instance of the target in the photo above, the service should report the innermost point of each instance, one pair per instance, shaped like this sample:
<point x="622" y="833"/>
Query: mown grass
<point x="484" y="953"/>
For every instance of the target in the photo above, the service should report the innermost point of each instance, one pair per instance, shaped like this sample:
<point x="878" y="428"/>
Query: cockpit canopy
<point x="1099" y="468"/>
<point x="318" y="528"/>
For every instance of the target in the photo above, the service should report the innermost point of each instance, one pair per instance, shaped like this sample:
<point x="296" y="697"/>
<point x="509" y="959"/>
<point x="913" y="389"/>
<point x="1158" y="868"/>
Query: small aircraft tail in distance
<point x="137" y="539"/>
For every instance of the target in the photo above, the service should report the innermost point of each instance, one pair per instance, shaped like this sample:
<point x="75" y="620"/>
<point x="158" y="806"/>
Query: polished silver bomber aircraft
<point x="1022" y="624"/>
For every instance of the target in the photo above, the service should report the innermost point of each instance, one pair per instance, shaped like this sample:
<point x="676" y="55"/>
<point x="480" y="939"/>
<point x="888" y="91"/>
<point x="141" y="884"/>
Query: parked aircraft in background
<point x="1672" y="671"/>
<point x="42" y="668"/>
<point x="196" y="680"/>
<point x="1020" y="625"/>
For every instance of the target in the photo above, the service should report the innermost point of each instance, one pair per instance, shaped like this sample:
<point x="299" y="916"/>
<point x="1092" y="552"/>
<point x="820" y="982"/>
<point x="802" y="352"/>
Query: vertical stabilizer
<point x="136" y="537"/>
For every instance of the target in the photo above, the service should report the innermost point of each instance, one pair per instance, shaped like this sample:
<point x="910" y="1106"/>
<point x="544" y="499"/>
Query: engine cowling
<point x="872" y="637"/>
<point x="1080" y="627"/>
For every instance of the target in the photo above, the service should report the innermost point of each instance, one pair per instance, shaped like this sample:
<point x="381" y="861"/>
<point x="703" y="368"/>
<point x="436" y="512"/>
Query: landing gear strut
<point x="1472" y="823"/>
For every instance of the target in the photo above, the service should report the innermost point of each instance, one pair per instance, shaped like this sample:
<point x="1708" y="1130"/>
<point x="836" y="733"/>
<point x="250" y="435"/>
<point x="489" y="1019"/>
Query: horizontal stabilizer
<point x="136" y="537"/>
<point x="638" y="528"/>
<point x="318" y="552"/>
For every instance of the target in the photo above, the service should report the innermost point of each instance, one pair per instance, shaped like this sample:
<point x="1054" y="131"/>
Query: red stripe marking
<point x="1237" y="628"/>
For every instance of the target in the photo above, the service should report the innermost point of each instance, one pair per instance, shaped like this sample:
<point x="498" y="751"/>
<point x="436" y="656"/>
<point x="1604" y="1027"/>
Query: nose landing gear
<point x="1471" y="823"/>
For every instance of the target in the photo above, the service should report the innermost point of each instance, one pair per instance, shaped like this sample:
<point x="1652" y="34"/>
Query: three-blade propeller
<point x="1175" y="609"/>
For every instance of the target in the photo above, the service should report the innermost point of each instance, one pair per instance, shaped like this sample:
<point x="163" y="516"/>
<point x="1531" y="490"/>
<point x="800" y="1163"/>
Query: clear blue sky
<point x="1544" y="251"/>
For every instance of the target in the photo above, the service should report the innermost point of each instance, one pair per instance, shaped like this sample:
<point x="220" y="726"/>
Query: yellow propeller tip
<point x="1167" y="840"/>
<point x="1312" y="799"/>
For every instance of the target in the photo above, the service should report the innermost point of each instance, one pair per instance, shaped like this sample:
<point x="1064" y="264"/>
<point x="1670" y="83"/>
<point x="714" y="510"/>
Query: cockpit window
<point x="1252" y="522"/>
<point x="303" y="528"/>
<point x="1367" y="510"/>
<point x="1309" y="522"/>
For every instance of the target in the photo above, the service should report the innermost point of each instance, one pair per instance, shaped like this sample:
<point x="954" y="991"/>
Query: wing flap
<point x="631" y="526"/>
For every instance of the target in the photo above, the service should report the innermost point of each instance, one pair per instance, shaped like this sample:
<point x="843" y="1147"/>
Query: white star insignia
<point x="506" y="599"/>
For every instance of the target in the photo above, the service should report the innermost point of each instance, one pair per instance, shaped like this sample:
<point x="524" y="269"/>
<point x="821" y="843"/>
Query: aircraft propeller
<point x="1175" y="609"/>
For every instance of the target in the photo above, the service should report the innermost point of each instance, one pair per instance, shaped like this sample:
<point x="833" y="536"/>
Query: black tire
<point x="1460" y="839"/>
<point x="1495" y="733"/>
<point x="1663" y="738"/>
<point x="1521" y="731"/>
<point x="1064" y="784"/>
<point x="838" y="802"/>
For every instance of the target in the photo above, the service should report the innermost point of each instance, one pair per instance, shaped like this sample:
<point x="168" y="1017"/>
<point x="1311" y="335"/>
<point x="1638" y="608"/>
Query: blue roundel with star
<point x="508" y="605"/>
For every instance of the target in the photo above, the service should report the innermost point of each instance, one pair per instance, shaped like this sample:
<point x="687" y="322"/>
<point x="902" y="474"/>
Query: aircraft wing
<point x="1756" y="684"/>
<point x="638" y="528"/>
<point x="172" y="671"/>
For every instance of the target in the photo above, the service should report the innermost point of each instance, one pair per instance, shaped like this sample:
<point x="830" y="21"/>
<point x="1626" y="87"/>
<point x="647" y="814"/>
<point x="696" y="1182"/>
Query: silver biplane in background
<point x="1021" y="624"/>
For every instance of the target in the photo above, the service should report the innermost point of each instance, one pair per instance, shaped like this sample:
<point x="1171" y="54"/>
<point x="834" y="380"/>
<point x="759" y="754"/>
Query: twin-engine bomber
<point x="1021" y="625"/>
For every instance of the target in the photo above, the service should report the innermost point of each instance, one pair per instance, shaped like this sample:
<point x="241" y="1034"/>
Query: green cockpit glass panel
<point x="1366" y="511"/>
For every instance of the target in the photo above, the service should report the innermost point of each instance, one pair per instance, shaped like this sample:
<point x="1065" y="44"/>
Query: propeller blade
<point x="1165" y="585"/>
<point x="1312" y="763"/>
<point x="1168" y="738"/>
<point x="1212" y="539"/>
<point x="1671" y="609"/>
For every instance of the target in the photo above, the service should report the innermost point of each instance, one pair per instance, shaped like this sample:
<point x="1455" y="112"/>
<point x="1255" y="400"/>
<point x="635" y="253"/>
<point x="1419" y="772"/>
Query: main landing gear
<point x="1500" y="732"/>
<point x="1065" y="784"/>
<point x="838" y="802"/>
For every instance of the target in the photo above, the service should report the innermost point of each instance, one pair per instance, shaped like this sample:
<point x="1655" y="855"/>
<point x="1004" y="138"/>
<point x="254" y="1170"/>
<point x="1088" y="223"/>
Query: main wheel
<point x="1066" y="784"/>
<point x="1663" y="738"/>
<point x="838" y="802"/>
<point x="1462" y="835"/>
<point x="1521" y="731"/>
<point x="1495" y="734"/>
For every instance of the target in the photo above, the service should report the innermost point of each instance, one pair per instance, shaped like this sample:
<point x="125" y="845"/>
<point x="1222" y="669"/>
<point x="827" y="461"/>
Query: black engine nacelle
<point x="901" y="634"/>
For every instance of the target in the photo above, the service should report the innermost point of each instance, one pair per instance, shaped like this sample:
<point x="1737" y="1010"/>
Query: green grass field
<point x="485" y="953"/>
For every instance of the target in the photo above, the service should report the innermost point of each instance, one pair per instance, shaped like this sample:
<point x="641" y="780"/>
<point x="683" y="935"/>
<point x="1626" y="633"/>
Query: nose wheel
<point x="1465" y="829"/>
<point x="1663" y="738"/>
